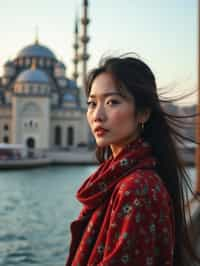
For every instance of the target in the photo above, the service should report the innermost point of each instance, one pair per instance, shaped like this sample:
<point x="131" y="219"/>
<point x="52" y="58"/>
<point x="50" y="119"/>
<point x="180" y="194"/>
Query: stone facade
<point x="40" y="107"/>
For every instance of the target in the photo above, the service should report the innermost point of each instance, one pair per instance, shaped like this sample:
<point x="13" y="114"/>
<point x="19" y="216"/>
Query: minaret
<point x="76" y="47"/>
<point x="84" y="40"/>
<point x="36" y="35"/>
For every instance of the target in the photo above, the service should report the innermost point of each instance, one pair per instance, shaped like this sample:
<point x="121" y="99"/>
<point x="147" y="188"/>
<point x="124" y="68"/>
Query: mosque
<point x="40" y="107"/>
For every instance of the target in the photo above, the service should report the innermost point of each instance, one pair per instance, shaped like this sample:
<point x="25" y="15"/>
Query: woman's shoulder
<point x="143" y="183"/>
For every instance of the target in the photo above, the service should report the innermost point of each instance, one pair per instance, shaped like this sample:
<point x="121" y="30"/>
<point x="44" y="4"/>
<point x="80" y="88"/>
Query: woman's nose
<point x="99" y="114"/>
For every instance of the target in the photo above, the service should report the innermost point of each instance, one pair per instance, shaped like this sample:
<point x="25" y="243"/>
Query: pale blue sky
<point x="163" y="33"/>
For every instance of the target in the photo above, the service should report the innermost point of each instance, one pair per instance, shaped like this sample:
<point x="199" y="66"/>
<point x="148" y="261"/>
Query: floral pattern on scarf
<point x="127" y="217"/>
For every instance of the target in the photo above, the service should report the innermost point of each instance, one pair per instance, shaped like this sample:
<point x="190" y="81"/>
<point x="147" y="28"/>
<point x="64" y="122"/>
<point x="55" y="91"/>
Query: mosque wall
<point x="42" y="107"/>
<point x="83" y="129"/>
<point x="31" y="120"/>
<point x="69" y="129"/>
<point x="5" y="124"/>
<point x="32" y="117"/>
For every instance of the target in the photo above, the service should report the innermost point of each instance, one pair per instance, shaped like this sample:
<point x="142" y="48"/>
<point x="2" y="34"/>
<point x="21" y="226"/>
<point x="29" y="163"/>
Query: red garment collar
<point x="99" y="186"/>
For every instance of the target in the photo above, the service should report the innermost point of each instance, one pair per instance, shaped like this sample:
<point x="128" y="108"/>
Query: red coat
<point x="127" y="216"/>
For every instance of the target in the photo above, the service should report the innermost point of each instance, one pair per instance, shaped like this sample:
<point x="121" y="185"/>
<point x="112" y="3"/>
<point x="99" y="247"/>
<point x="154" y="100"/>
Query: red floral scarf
<point x="99" y="186"/>
<point x="89" y="231"/>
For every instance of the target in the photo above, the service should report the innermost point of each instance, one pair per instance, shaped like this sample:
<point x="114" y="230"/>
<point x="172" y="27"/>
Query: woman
<point x="133" y="205"/>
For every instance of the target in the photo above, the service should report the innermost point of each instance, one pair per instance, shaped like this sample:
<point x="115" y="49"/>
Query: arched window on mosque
<point x="6" y="139"/>
<point x="6" y="127"/>
<point x="30" y="89"/>
<point x="48" y="62"/>
<point x="26" y="89"/>
<point x="30" y="143"/>
<point x="70" y="136"/>
<point x="21" y="62"/>
<point x="21" y="89"/>
<point x="41" y="62"/>
<point x="35" y="89"/>
<point x="58" y="136"/>
<point x="28" y="61"/>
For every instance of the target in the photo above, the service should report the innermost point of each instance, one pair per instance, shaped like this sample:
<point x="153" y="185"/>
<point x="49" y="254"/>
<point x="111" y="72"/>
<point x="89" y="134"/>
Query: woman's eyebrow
<point x="104" y="94"/>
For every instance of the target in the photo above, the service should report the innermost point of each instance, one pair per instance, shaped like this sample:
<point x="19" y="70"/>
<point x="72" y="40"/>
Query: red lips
<point x="100" y="131"/>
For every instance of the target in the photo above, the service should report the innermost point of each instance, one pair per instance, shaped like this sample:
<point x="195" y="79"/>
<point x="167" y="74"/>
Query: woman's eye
<point x="91" y="104"/>
<point x="113" y="102"/>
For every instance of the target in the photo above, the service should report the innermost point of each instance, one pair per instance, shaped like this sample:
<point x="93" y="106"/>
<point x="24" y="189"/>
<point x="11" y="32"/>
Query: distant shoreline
<point x="79" y="156"/>
<point x="75" y="157"/>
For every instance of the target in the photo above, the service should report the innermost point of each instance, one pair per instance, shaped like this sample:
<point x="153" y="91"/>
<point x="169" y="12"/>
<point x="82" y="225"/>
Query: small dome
<point x="32" y="76"/>
<point x="60" y="65"/>
<point x="36" y="50"/>
<point x="9" y="64"/>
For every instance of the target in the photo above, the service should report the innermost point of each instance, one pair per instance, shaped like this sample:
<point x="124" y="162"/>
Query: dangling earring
<point x="142" y="126"/>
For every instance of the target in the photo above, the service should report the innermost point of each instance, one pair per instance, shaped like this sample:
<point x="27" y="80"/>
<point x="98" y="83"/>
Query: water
<point x="36" y="208"/>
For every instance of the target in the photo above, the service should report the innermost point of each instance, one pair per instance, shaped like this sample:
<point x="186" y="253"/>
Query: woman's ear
<point x="143" y="116"/>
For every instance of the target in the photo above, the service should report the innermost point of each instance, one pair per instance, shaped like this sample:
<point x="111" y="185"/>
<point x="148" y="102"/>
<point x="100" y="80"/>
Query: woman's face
<point x="111" y="117"/>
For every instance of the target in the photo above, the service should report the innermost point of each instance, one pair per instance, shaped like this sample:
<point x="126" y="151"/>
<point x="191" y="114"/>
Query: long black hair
<point x="162" y="132"/>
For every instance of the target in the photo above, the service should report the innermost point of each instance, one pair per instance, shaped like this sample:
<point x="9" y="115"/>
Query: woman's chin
<point x="101" y="143"/>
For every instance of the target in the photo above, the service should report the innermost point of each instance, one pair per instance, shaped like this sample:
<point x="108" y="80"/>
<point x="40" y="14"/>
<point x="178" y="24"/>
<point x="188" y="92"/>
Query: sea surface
<point x="36" y="208"/>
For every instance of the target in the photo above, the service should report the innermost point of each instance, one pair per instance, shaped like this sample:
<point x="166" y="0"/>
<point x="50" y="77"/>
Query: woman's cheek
<point x="118" y="115"/>
<point x="88" y="115"/>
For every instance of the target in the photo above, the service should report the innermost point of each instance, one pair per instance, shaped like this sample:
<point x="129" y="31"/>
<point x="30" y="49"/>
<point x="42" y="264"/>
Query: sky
<point x="162" y="33"/>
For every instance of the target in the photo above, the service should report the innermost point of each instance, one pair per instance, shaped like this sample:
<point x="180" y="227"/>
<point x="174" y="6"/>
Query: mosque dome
<point x="32" y="76"/>
<point x="8" y="64"/>
<point x="60" y="65"/>
<point x="36" y="50"/>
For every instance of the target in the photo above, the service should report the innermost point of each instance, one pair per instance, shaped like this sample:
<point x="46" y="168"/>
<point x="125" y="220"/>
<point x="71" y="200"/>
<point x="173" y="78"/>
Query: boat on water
<point x="13" y="156"/>
<point x="18" y="156"/>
